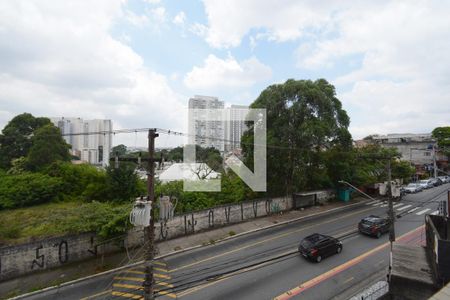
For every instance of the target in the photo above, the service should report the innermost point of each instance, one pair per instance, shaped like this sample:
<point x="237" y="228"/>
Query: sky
<point x="137" y="62"/>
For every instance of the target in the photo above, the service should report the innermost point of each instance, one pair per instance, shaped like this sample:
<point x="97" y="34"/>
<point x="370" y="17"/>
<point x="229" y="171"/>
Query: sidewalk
<point x="100" y="264"/>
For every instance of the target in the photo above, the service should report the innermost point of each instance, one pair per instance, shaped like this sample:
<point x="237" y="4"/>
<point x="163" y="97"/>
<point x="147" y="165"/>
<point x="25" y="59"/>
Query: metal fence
<point x="374" y="292"/>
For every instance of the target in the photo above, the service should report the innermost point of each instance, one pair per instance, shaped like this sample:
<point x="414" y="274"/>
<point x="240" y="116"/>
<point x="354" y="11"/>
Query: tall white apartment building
<point x="234" y="128"/>
<point x="204" y="131"/>
<point x="91" y="140"/>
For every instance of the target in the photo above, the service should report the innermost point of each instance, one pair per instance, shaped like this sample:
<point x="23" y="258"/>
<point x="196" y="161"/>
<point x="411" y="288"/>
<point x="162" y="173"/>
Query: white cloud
<point x="179" y="19"/>
<point x="56" y="61"/>
<point x="391" y="56"/>
<point x="281" y="20"/>
<point x="158" y="14"/>
<point x="226" y="73"/>
<point x="153" y="1"/>
<point x="136" y="20"/>
<point x="199" y="29"/>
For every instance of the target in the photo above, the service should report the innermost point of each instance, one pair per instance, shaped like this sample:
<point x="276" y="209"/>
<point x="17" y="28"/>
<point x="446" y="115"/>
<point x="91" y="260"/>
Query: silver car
<point x="412" y="188"/>
<point x="426" y="183"/>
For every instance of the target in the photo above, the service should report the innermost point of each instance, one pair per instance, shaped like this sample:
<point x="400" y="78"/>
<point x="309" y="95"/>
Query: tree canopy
<point x="16" y="137"/>
<point x="442" y="135"/>
<point x="304" y="118"/>
<point x="48" y="146"/>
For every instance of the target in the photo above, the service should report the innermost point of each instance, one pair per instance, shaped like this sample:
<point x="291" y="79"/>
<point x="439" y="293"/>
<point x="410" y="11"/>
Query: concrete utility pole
<point x="434" y="161"/>
<point x="391" y="206"/>
<point x="149" y="231"/>
<point x="391" y="213"/>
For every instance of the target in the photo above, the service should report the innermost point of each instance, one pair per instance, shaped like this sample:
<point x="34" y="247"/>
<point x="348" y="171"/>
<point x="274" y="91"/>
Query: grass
<point x="56" y="219"/>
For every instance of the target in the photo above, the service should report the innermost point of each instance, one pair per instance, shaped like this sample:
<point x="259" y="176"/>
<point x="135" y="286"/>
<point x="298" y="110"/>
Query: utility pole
<point x="391" y="213"/>
<point x="434" y="161"/>
<point x="149" y="231"/>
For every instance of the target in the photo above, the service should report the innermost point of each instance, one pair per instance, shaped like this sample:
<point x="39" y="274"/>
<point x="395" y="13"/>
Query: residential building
<point x="234" y="127"/>
<point x="415" y="148"/>
<point x="91" y="140"/>
<point x="206" y="128"/>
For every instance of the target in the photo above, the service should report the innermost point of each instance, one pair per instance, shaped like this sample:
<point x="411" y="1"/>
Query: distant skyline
<point x="138" y="62"/>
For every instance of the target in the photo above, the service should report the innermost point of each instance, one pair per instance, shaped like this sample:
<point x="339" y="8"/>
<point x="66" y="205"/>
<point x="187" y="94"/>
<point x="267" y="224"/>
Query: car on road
<point x="412" y="188"/>
<point x="444" y="179"/>
<point x="426" y="183"/>
<point x="374" y="226"/>
<point x="435" y="181"/>
<point x="318" y="246"/>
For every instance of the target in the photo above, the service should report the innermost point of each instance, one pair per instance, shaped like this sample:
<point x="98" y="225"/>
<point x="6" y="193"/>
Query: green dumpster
<point x="344" y="194"/>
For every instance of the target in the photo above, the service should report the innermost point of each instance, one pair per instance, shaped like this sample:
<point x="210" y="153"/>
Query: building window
<point x="427" y="153"/>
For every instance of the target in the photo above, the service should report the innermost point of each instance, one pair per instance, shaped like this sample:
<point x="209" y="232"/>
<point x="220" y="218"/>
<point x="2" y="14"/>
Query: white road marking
<point x="423" y="211"/>
<point x="435" y="212"/>
<point x="384" y="205"/>
<point x="372" y="202"/>
<point x="397" y="205"/>
<point x="404" y="207"/>
<point x="376" y="204"/>
<point x="414" y="209"/>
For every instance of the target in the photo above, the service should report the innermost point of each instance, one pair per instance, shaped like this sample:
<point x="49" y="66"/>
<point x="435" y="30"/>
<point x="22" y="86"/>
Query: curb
<point x="330" y="211"/>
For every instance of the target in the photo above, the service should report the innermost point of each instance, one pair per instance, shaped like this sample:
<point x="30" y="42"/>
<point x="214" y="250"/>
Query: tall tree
<point x="16" y="137"/>
<point x="48" y="146"/>
<point x="119" y="150"/>
<point x="304" y="118"/>
<point x="442" y="135"/>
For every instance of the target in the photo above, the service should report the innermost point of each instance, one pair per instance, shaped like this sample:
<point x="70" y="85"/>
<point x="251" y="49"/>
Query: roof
<point x="188" y="171"/>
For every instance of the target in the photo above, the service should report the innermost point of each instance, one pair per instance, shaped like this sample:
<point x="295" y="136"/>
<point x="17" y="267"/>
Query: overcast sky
<point x="138" y="62"/>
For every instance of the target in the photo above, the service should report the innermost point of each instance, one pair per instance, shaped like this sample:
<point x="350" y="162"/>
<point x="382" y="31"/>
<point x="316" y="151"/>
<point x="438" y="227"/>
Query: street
<point x="266" y="264"/>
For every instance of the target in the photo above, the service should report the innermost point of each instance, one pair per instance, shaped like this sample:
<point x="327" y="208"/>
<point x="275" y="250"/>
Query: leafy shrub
<point x="78" y="178"/>
<point x="28" y="189"/>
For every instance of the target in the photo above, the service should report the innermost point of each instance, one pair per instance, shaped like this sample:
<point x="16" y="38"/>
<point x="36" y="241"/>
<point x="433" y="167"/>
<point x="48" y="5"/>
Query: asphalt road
<point x="265" y="264"/>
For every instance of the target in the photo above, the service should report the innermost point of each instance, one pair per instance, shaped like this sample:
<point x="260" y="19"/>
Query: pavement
<point x="100" y="265"/>
<point x="264" y="263"/>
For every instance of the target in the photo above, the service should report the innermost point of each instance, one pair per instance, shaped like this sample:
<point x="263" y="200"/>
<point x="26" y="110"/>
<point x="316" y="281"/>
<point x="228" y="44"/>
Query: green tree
<point x="16" y="137"/>
<point x="119" y="150"/>
<point x="47" y="147"/>
<point x="442" y="135"/>
<point x="123" y="183"/>
<point x="304" y="118"/>
<point x="175" y="154"/>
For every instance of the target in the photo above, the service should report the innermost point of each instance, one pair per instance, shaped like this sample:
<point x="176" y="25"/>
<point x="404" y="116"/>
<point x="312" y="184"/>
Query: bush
<point x="77" y="179"/>
<point x="28" y="189"/>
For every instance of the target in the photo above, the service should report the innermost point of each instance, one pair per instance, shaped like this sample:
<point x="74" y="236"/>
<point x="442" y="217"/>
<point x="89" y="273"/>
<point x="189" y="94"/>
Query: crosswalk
<point x="401" y="207"/>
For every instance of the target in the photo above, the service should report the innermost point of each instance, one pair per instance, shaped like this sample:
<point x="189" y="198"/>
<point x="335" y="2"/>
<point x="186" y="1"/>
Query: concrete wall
<point x="55" y="252"/>
<point x="48" y="253"/>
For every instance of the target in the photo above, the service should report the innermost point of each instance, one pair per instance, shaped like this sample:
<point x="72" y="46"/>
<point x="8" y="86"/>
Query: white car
<point x="426" y="183"/>
<point x="444" y="179"/>
<point x="412" y="188"/>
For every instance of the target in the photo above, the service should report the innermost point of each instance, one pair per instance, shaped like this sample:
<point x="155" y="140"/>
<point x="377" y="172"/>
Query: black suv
<point x="374" y="225"/>
<point x="317" y="246"/>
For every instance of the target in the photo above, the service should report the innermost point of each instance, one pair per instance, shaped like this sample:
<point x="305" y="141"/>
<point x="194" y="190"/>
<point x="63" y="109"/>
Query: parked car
<point x="412" y="188"/>
<point x="317" y="246"/>
<point x="444" y="179"/>
<point x="426" y="183"/>
<point x="435" y="181"/>
<point x="374" y="225"/>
